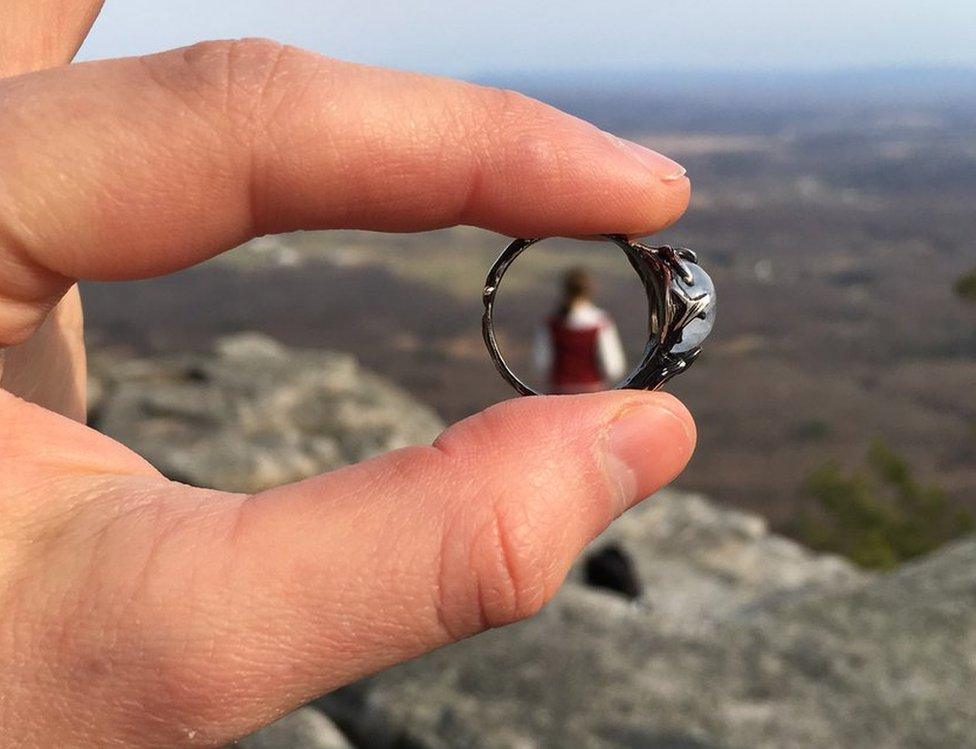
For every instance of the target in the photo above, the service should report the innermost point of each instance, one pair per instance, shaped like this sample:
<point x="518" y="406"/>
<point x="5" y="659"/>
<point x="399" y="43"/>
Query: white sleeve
<point x="542" y="354"/>
<point x="610" y="352"/>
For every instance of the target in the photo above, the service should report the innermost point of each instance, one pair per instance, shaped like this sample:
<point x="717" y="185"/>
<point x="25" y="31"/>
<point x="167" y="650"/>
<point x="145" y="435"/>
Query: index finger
<point x="138" y="167"/>
<point x="36" y="34"/>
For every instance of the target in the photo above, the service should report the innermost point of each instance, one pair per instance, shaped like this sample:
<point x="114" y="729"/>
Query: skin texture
<point x="141" y="612"/>
<point x="39" y="34"/>
<point x="48" y="368"/>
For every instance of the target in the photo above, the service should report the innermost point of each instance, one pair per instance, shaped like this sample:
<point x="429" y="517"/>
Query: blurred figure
<point x="578" y="348"/>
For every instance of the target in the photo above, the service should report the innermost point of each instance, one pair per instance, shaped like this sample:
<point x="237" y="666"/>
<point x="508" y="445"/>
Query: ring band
<point x="681" y="304"/>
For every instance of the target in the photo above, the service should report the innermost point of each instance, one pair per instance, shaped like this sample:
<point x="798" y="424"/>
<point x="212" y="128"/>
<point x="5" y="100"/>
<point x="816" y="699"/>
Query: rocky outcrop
<point x="252" y="414"/>
<point x="698" y="563"/>
<point x="886" y="662"/>
<point x="720" y="634"/>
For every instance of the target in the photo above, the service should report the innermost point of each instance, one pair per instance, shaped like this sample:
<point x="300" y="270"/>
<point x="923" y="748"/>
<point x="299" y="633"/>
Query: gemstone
<point x="697" y="329"/>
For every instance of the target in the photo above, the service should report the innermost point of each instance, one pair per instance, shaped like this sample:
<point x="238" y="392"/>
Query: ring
<point x="681" y="304"/>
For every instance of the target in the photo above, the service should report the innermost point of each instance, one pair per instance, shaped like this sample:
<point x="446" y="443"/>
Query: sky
<point x="470" y="39"/>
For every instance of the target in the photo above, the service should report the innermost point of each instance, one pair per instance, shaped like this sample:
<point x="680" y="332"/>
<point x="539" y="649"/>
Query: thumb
<point x="384" y="560"/>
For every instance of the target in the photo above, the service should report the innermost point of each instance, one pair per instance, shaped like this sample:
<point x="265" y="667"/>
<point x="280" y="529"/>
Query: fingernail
<point x="664" y="168"/>
<point x="647" y="447"/>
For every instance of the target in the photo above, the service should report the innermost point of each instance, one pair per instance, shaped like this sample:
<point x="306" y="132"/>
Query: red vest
<point x="574" y="355"/>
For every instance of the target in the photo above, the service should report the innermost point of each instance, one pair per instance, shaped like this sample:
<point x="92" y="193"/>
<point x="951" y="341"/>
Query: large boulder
<point x="253" y="413"/>
<point x="697" y="562"/>
<point x="884" y="662"/>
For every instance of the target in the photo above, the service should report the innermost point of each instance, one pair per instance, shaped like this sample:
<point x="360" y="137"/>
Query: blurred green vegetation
<point x="966" y="286"/>
<point x="811" y="430"/>
<point x="881" y="515"/>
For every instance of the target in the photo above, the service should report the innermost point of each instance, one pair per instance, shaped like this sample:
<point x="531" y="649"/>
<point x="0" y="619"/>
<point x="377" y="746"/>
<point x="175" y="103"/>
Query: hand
<point x="143" y="612"/>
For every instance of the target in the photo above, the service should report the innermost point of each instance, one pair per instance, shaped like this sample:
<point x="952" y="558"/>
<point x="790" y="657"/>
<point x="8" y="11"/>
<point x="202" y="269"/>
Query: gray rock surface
<point x="888" y="662"/>
<point x="252" y="414"/>
<point x="700" y="563"/>
<point x="305" y="728"/>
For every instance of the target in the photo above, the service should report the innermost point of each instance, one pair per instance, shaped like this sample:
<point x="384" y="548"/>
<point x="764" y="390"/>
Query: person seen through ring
<point x="578" y="348"/>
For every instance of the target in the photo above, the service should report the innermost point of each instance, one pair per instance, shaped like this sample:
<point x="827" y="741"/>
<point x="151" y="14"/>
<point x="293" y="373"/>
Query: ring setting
<point x="681" y="303"/>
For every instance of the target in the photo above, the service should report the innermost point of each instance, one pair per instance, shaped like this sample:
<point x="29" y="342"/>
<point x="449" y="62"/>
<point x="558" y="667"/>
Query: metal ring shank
<point x="656" y="366"/>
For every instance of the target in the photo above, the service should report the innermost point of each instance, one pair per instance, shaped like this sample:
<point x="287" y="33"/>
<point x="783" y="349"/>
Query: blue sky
<point x="472" y="38"/>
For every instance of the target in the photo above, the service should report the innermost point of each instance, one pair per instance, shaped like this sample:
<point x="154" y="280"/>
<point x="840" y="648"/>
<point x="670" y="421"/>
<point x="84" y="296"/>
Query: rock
<point x="887" y="662"/>
<point x="698" y="563"/>
<point x="306" y="728"/>
<point x="611" y="568"/>
<point x="253" y="414"/>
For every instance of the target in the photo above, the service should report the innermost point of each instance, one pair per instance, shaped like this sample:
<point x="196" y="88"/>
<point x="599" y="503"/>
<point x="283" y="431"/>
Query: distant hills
<point x="876" y="85"/>
<point x="633" y="101"/>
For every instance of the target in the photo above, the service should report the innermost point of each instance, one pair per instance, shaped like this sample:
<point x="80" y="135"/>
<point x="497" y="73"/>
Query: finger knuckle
<point x="489" y="114"/>
<point x="479" y="432"/>
<point x="512" y="111"/>
<point x="251" y="63"/>
<point x="495" y="565"/>
<point x="235" y="69"/>
<point x="507" y="105"/>
<point x="20" y="319"/>
<point x="28" y="290"/>
<point x="224" y="53"/>
<point x="510" y="565"/>
<point x="243" y="75"/>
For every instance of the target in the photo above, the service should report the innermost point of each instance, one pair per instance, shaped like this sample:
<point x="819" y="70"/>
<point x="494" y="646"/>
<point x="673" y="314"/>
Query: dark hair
<point x="577" y="285"/>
